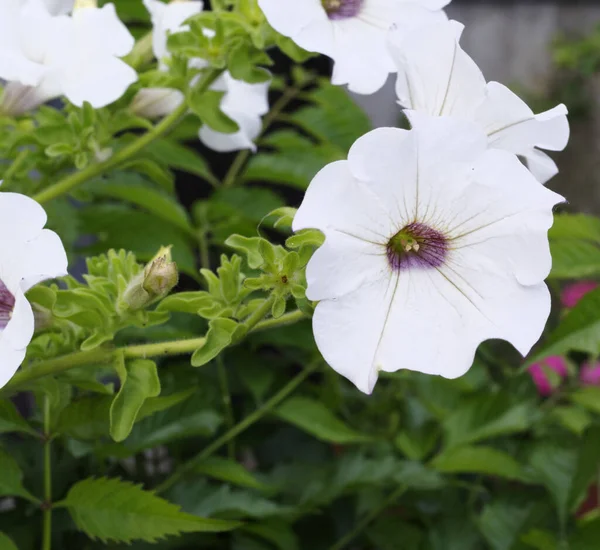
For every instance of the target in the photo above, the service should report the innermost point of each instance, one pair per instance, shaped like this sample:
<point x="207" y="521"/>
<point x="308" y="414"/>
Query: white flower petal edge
<point x="353" y="33"/>
<point x="245" y="104"/>
<point x="436" y="77"/>
<point x="434" y="243"/>
<point x="31" y="255"/>
<point x="75" y="56"/>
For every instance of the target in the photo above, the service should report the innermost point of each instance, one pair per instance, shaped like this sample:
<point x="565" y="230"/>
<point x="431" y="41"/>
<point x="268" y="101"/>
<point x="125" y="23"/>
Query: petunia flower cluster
<point x="436" y="237"/>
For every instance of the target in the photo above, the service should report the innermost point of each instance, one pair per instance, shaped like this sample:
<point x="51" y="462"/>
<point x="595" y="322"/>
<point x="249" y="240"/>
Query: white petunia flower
<point x="435" y="76"/>
<point x="352" y="32"/>
<point x="244" y="103"/>
<point x="434" y="243"/>
<point x="43" y="57"/>
<point x="59" y="7"/>
<point x="32" y="254"/>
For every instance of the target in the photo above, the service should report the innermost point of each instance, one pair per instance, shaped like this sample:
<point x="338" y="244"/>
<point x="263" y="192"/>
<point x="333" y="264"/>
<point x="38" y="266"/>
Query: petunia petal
<point x="11" y="360"/>
<point x="343" y="264"/>
<point x="249" y="129"/>
<point x="337" y="201"/>
<point x="40" y="259"/>
<point x="97" y="80"/>
<point x="513" y="126"/>
<point x="435" y="75"/>
<point x="102" y="31"/>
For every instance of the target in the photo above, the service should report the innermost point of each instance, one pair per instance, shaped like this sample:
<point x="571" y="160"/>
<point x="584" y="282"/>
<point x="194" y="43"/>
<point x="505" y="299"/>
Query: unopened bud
<point x="157" y="279"/>
<point x="160" y="276"/>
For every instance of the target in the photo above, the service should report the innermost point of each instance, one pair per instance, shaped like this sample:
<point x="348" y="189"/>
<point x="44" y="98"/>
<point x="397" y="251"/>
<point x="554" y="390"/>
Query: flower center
<point x="7" y="304"/>
<point x="417" y="246"/>
<point x="342" y="9"/>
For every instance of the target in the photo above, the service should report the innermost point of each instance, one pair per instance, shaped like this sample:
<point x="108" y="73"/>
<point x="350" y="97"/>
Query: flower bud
<point x="160" y="276"/>
<point x="157" y="279"/>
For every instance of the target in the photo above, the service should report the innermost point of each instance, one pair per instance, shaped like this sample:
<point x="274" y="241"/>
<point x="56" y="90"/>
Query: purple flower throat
<point x="7" y="304"/>
<point x="417" y="246"/>
<point x="342" y="9"/>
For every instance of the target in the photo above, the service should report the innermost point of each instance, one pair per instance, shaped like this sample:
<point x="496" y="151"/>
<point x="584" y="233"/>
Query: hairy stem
<point x="94" y="170"/>
<point x="364" y="522"/>
<point x="227" y="405"/>
<point x="47" y="504"/>
<point x="251" y="419"/>
<point x="103" y="356"/>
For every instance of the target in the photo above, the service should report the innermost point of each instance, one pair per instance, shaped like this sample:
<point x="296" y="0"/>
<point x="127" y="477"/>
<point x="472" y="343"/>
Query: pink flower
<point x="540" y="376"/>
<point x="573" y="293"/>
<point x="590" y="374"/>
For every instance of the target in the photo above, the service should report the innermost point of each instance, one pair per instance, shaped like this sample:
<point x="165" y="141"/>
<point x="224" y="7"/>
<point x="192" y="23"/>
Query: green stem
<point x="47" y="505"/>
<point x="259" y="413"/>
<point x="283" y="321"/>
<point x="226" y="398"/>
<point x="364" y="522"/>
<point x="259" y="313"/>
<point x="94" y="170"/>
<point x="242" y="157"/>
<point x="103" y="356"/>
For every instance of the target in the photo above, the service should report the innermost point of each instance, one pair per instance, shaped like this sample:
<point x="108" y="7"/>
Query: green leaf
<point x="207" y="105"/>
<point x="316" y="419"/>
<point x="135" y="190"/>
<point x="295" y="162"/>
<point x="11" y="479"/>
<point x="12" y="421"/>
<point x="190" y="418"/>
<point x="220" y="335"/>
<point x="118" y="226"/>
<point x="6" y="543"/>
<point x="578" y="331"/>
<point x="555" y="467"/>
<point x="478" y="460"/>
<point x="279" y="533"/>
<point x="334" y="118"/>
<point x="181" y="158"/>
<point x="502" y="522"/>
<point x="586" y="537"/>
<point x="249" y="247"/>
<point x="110" y="509"/>
<point x="588" y="397"/>
<point x="154" y="405"/>
<point x="486" y="417"/>
<point x="86" y="418"/>
<point x="575" y="419"/>
<point x="139" y="381"/>
<point x="575" y="246"/>
<point x="230" y="472"/>
<point x="291" y="49"/>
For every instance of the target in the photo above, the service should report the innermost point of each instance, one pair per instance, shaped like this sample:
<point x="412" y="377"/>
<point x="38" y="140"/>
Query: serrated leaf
<point x="11" y="478"/>
<point x="139" y="381"/>
<point x="220" y="335"/>
<point x="315" y="418"/>
<point x="12" y="421"/>
<point x="86" y="418"/>
<point x="230" y="472"/>
<point x="110" y="509"/>
<point x="478" y="460"/>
